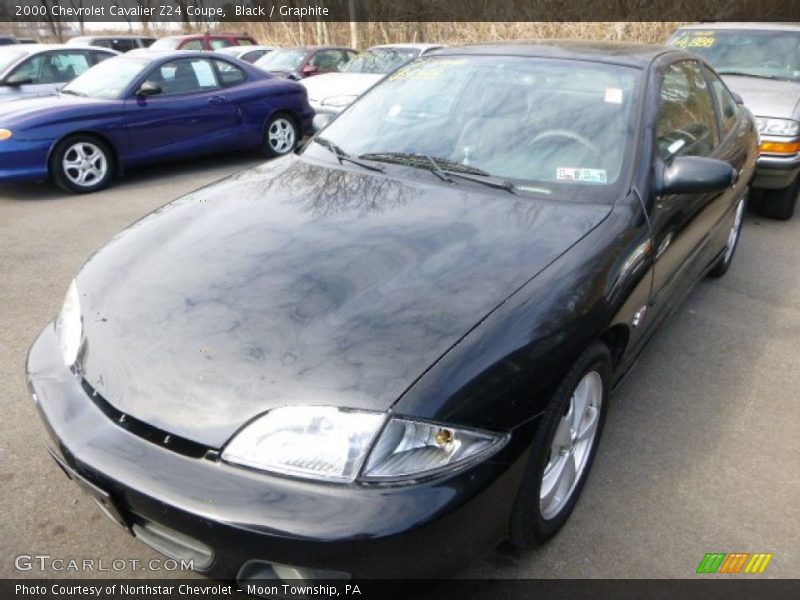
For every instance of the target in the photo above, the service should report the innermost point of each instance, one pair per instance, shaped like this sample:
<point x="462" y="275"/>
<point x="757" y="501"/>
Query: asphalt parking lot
<point x="700" y="452"/>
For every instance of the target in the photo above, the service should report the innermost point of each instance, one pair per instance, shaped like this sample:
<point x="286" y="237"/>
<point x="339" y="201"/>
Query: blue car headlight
<point x="5" y="134"/>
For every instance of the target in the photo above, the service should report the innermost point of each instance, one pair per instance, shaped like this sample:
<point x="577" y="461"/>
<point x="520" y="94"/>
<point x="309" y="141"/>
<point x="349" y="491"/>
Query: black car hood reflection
<point x="295" y="283"/>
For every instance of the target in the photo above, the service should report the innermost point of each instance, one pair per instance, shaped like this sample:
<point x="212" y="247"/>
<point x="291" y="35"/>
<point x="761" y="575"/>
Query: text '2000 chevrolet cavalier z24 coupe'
<point x="383" y="354"/>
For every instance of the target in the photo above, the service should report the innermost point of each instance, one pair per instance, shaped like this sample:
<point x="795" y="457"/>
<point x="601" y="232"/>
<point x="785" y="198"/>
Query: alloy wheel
<point x="84" y="164"/>
<point x="571" y="445"/>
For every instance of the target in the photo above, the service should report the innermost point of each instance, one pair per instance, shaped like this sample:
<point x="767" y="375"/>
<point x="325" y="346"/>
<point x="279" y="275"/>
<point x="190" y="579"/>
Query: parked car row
<point x="382" y="355"/>
<point x="760" y="63"/>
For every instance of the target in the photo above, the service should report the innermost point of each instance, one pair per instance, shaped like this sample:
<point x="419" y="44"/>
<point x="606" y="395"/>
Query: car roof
<point x="743" y="26"/>
<point x="111" y="37"/>
<point x="620" y="53"/>
<point x="33" y="48"/>
<point x="310" y="48"/>
<point x="407" y="45"/>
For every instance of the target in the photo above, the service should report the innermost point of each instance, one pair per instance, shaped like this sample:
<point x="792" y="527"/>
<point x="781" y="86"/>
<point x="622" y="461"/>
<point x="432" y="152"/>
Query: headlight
<point x="329" y="443"/>
<point x="320" y="442"/>
<point x="338" y="101"/>
<point x="69" y="325"/>
<point x="5" y="134"/>
<point x="413" y="449"/>
<point x="769" y="126"/>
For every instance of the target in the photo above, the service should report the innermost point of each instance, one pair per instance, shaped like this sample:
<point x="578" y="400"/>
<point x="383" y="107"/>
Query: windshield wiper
<point x="343" y="156"/>
<point x="756" y="75"/>
<point x="72" y="93"/>
<point x="444" y="168"/>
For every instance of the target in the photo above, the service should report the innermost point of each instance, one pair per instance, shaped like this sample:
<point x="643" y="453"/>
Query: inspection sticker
<point x="582" y="175"/>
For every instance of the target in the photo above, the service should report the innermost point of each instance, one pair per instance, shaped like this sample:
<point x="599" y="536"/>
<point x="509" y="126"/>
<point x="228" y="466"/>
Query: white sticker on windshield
<point x="613" y="95"/>
<point x="581" y="175"/>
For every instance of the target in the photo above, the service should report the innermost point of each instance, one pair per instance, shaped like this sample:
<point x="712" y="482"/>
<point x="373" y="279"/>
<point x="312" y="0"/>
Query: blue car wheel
<point x="82" y="164"/>
<point x="280" y="135"/>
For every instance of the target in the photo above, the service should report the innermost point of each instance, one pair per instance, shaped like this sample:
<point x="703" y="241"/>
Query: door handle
<point x="218" y="100"/>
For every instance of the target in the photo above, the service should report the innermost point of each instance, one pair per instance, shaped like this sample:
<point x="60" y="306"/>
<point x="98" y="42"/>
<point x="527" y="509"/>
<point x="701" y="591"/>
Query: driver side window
<point x="687" y="121"/>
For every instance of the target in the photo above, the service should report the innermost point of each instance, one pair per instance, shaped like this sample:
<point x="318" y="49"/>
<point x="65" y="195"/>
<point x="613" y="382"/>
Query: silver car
<point x="761" y="63"/>
<point x="28" y="70"/>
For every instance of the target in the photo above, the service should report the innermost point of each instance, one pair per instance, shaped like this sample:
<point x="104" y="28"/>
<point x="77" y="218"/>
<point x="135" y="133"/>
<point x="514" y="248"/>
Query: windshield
<point x="9" y="56"/>
<point x="169" y="43"/>
<point x="107" y="80"/>
<point x="774" y="54"/>
<point x="282" y="60"/>
<point x="560" y="124"/>
<point x="379" y="61"/>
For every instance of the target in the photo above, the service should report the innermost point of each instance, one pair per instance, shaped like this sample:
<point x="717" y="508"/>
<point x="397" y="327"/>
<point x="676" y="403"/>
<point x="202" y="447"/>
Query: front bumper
<point x="776" y="171"/>
<point x="428" y="530"/>
<point x="22" y="160"/>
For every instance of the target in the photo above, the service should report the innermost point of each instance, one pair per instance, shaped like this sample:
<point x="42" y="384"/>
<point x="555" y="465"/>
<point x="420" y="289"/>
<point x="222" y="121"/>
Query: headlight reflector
<point x="769" y="126"/>
<point x="69" y="326"/>
<point x="413" y="449"/>
<point x="317" y="442"/>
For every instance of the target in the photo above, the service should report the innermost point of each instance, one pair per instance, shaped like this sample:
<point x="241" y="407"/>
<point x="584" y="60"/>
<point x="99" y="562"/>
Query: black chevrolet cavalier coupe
<point x="384" y="354"/>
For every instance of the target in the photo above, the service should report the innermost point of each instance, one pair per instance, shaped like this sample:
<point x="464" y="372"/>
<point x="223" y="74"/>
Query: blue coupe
<point x="147" y="107"/>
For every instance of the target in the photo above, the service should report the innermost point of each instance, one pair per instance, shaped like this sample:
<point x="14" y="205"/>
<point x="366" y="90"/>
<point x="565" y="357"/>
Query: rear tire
<point x="82" y="164"/>
<point x="779" y="204"/>
<point x="281" y="135"/>
<point x="570" y="430"/>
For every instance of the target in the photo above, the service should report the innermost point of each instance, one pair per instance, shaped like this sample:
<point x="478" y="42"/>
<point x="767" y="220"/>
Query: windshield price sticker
<point x="696" y="39"/>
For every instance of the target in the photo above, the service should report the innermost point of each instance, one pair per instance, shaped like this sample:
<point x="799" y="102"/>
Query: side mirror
<point x="17" y="80"/>
<point x="309" y="70"/>
<point x="320" y="121"/>
<point x="696" y="175"/>
<point x="149" y="88"/>
<point x="737" y="98"/>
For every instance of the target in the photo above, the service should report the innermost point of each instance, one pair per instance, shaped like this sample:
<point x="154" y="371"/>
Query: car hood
<point x="339" y="84"/>
<point x="767" y="97"/>
<point x="24" y="110"/>
<point x="297" y="283"/>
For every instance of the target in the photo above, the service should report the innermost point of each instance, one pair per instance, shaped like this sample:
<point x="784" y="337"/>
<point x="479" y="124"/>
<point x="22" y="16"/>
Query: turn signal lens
<point x="780" y="147"/>
<point x="4" y="134"/>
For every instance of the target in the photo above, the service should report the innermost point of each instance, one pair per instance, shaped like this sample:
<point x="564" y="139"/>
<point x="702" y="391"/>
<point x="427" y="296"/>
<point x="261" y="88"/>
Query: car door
<point x="48" y="71"/>
<point x="682" y="224"/>
<point x="191" y="116"/>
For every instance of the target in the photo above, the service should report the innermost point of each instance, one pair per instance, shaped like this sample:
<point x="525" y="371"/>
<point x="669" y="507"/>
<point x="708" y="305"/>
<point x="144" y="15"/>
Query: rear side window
<point x="123" y="45"/>
<point x="98" y="57"/>
<point x="244" y="41"/>
<point x="229" y="74"/>
<point x="219" y="43"/>
<point x="184" y="76"/>
<point x="192" y="45"/>
<point x="687" y="120"/>
<point x="725" y="102"/>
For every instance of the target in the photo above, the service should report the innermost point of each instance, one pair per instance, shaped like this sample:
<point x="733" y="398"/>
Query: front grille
<point x="139" y="428"/>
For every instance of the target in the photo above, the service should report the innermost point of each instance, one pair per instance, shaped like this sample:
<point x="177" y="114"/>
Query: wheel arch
<point x="115" y="156"/>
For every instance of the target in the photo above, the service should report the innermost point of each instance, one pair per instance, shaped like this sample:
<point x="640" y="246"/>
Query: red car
<point x="203" y="41"/>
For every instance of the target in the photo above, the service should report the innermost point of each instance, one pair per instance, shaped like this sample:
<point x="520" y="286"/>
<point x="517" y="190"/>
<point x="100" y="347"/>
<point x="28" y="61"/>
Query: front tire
<point x="82" y="164"/>
<point x="280" y="135"/>
<point x="564" y="448"/>
<point x="734" y="234"/>
<point x="779" y="204"/>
